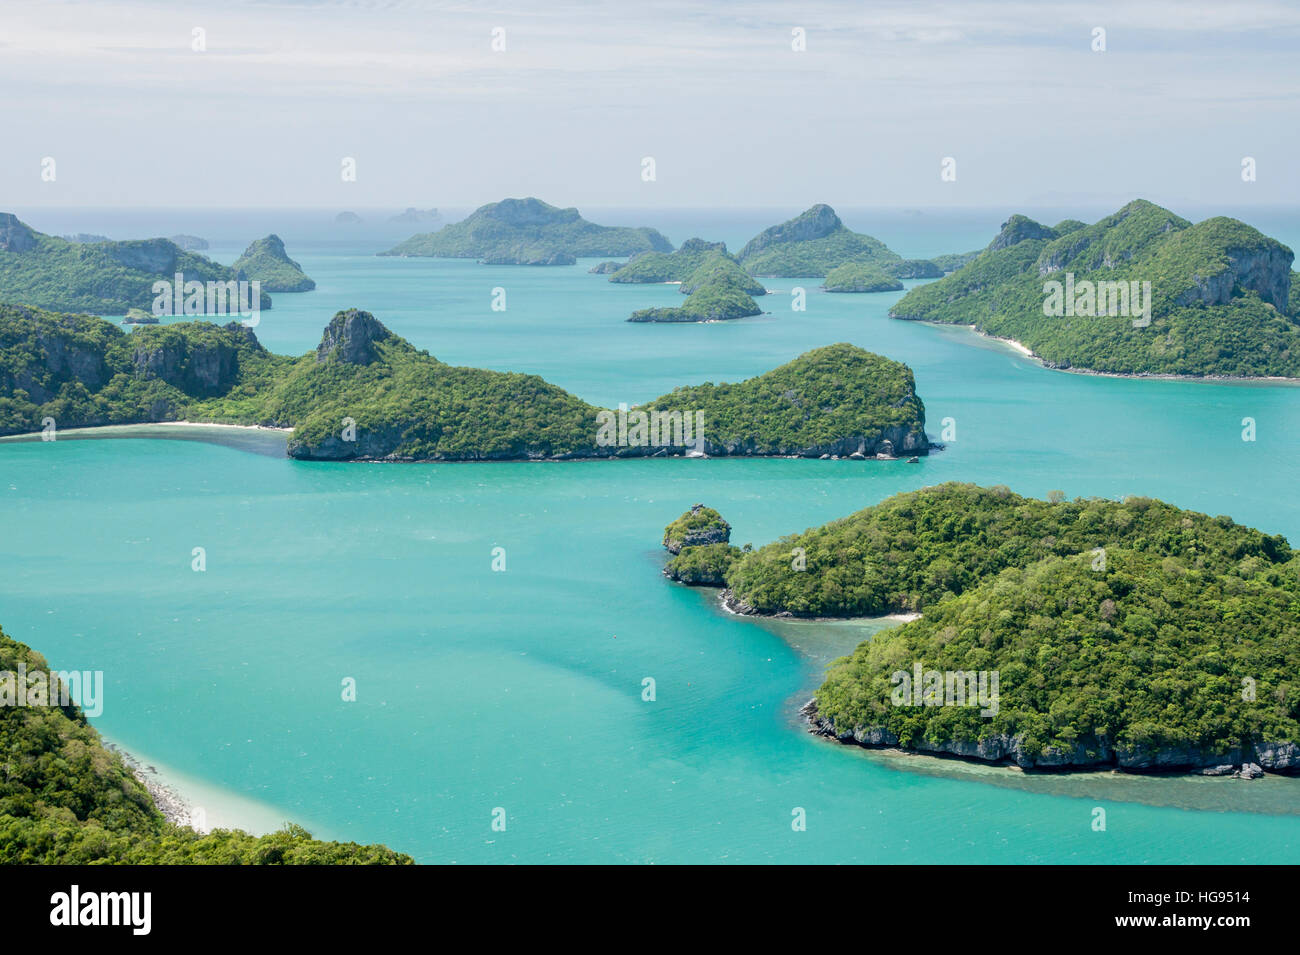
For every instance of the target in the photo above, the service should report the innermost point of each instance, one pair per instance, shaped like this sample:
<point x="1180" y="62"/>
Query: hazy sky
<point x="1014" y="92"/>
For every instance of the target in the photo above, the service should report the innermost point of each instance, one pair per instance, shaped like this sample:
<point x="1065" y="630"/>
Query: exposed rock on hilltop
<point x="1017" y="229"/>
<point x="350" y="337"/>
<point x="267" y="262"/>
<point x="698" y="541"/>
<point x="811" y="244"/>
<point x="15" y="236"/>
<point x="699" y="525"/>
<point x="531" y="232"/>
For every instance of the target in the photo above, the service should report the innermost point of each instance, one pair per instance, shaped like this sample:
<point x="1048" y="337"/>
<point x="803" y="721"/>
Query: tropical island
<point x="266" y="261"/>
<point x="1140" y="292"/>
<point x="717" y="288"/>
<point x="67" y="799"/>
<point x="530" y="232"/>
<point x="368" y="394"/>
<point x="1122" y="633"/>
<point x="100" y="278"/>
<point x="859" y="277"/>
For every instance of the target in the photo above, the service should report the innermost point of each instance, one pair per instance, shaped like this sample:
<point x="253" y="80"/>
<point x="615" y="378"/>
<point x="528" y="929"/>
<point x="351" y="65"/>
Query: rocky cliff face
<point x="351" y="336"/>
<point x="1017" y="229"/>
<point x="1283" y="757"/>
<point x="200" y="369"/>
<point x="1265" y="269"/>
<point x="15" y="236"/>
<point x="815" y="223"/>
<point x="717" y="531"/>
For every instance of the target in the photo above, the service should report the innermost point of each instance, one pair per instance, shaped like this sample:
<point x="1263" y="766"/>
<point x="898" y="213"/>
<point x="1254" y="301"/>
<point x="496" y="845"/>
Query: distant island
<point x="1099" y="624"/>
<point x="1140" y="292"/>
<point x="857" y="277"/>
<point x="267" y="262"/>
<point x="348" y="218"/>
<point x="70" y="800"/>
<point x="367" y="394"/>
<point x="103" y="278"/>
<point x="415" y="216"/>
<point x="530" y="232"/>
<point x="190" y="243"/>
<point x="717" y="288"/>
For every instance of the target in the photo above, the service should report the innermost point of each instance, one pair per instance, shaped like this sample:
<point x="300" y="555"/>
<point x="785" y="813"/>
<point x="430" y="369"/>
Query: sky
<point x="582" y="93"/>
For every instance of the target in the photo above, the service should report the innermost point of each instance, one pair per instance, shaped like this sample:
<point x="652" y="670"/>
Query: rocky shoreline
<point x="1242" y="763"/>
<point x="174" y="807"/>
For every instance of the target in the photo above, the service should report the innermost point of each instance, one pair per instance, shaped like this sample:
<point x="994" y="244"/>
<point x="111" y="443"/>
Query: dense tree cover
<point x="719" y="269"/>
<point x="834" y="399"/>
<point x="859" y="277"/>
<point x="1148" y="655"/>
<point x="82" y="371"/>
<point x="811" y="244"/>
<point x="102" y="278"/>
<point x="648" y="268"/>
<point x="702" y="564"/>
<point x="405" y="404"/>
<point x="913" y="550"/>
<point x="529" y="231"/>
<point x="717" y="300"/>
<point x="952" y="261"/>
<point x="65" y="799"/>
<point x="267" y="262"/>
<point x="912" y="269"/>
<point x="1219" y="295"/>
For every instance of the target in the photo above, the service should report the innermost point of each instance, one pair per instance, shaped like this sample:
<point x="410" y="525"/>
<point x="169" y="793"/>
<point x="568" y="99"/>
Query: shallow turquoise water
<point x="522" y="689"/>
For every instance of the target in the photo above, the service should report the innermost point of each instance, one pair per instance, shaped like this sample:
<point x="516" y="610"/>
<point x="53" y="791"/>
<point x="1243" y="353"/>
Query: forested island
<point x="857" y="277"/>
<point x="66" y="799"/>
<point x="1132" y="634"/>
<point x="1141" y="292"/>
<point x="368" y="394"/>
<point x="101" y="278"/>
<point x="530" y="232"/>
<point x="266" y="261"/>
<point x="717" y="289"/>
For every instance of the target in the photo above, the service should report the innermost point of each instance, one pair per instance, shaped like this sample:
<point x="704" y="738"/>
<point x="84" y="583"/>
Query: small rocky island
<point x="717" y="288"/>
<point x="699" y="541"/>
<point x="267" y="262"/>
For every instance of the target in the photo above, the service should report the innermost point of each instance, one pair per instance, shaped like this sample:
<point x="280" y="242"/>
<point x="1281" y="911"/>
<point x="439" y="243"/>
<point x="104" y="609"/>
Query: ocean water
<point x="522" y="689"/>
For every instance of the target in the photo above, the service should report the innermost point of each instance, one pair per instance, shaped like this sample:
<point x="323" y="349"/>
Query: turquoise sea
<point x="522" y="689"/>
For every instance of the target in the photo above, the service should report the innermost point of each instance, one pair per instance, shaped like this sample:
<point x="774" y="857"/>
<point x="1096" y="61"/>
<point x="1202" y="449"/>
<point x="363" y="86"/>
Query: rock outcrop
<point x="350" y="337"/>
<point x="1092" y="754"/>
